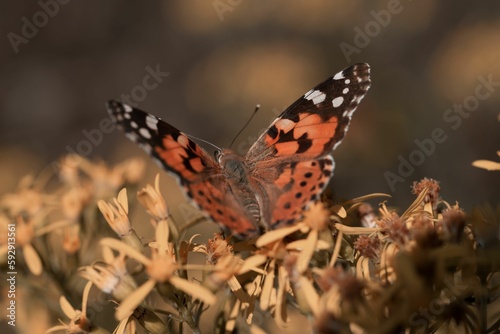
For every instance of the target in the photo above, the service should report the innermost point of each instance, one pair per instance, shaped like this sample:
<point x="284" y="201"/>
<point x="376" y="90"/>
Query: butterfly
<point x="286" y="169"/>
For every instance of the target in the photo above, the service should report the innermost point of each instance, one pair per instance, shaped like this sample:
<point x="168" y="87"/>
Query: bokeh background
<point x="225" y="56"/>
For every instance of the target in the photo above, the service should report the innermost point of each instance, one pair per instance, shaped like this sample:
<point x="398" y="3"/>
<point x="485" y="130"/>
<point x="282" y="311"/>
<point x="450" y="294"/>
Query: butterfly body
<point x="284" y="170"/>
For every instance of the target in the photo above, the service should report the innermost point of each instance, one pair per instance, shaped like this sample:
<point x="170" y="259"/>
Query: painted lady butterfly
<point x="285" y="169"/>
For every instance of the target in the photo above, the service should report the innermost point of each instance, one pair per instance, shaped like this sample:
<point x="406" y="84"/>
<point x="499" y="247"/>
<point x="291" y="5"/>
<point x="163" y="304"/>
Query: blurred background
<point x="204" y="65"/>
<point x="215" y="60"/>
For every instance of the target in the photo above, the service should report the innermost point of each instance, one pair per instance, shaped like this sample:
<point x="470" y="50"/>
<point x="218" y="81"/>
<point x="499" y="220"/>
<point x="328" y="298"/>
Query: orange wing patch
<point x="183" y="158"/>
<point x="222" y="207"/>
<point x="306" y="181"/>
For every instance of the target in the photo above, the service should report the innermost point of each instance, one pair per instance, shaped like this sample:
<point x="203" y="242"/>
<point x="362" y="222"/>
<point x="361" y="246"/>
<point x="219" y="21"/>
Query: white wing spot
<point x="134" y="124"/>
<point x="127" y="115"/>
<point x="145" y="133"/>
<point x="336" y="102"/>
<point x="316" y="96"/>
<point x="127" y="108"/>
<point x="345" y="91"/>
<point x="132" y="136"/>
<point x="309" y="92"/>
<point x="339" y="76"/>
<point x="152" y="122"/>
<point x="347" y="81"/>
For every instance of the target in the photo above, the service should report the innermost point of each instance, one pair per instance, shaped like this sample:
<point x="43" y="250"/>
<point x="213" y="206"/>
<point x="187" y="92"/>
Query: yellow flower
<point x="117" y="217"/>
<point x="316" y="219"/>
<point x="160" y="268"/>
<point x="153" y="201"/>
<point x="78" y="323"/>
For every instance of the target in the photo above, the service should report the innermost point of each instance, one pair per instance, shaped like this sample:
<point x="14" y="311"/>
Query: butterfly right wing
<point x="199" y="174"/>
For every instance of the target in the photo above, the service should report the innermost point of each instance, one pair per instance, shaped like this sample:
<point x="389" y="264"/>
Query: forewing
<point x="198" y="173"/>
<point x="314" y="124"/>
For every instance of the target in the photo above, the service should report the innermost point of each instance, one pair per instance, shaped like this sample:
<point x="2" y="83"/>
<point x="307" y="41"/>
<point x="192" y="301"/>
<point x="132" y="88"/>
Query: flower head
<point x="153" y="201"/>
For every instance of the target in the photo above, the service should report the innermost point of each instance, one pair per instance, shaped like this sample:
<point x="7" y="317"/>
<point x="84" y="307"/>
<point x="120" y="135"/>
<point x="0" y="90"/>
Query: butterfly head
<point x="233" y="164"/>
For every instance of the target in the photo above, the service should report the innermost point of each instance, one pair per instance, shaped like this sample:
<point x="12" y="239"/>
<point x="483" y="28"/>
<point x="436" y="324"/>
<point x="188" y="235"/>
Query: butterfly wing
<point x="198" y="173"/>
<point x="291" y="162"/>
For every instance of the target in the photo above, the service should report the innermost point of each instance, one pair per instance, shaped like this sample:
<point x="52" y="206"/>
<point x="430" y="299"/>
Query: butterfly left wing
<point x="198" y="173"/>
<point x="292" y="161"/>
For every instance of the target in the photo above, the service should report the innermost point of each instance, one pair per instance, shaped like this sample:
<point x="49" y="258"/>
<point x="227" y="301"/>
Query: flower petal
<point x="278" y="234"/>
<point x="32" y="260"/>
<point x="194" y="290"/>
<point x="252" y="263"/>
<point x="66" y="307"/>
<point x="307" y="252"/>
<point x="486" y="164"/>
<point x="122" y="199"/>
<point x="126" y="249"/>
<point x="134" y="299"/>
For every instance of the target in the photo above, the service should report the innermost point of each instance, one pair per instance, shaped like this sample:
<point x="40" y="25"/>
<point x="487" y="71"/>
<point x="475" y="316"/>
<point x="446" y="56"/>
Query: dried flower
<point x="395" y="228"/>
<point x="452" y="225"/>
<point x="368" y="246"/>
<point x="432" y="193"/>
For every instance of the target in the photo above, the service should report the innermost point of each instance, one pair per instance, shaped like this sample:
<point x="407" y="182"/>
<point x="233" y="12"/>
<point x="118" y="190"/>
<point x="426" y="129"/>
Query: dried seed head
<point x="424" y="233"/>
<point x="432" y="193"/>
<point x="395" y="228"/>
<point x="452" y="225"/>
<point x="368" y="246"/>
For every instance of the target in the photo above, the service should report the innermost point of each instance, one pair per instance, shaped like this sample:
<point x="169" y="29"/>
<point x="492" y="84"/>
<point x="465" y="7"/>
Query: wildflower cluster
<point x="348" y="268"/>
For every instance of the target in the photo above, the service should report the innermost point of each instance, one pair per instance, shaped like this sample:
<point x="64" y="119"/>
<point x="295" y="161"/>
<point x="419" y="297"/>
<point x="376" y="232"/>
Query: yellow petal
<point x="306" y="290"/>
<point x="265" y="296"/>
<point x="126" y="249"/>
<point x="252" y="263"/>
<point x="122" y="199"/>
<point x="57" y="329"/>
<point x="306" y="253"/>
<point x="365" y="198"/>
<point x="32" y="260"/>
<point x="85" y="298"/>
<point x="356" y="230"/>
<point x="66" y="307"/>
<point x="194" y="290"/>
<point x="133" y="300"/>
<point x="300" y="244"/>
<point x="161" y="235"/>
<point x="416" y="203"/>
<point x="339" y="210"/>
<point x="278" y="234"/>
<point x="486" y="164"/>
<point x="280" y="315"/>
<point x="336" y="250"/>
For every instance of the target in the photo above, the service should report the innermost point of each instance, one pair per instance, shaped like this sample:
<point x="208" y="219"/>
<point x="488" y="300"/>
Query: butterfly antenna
<point x="206" y="142"/>
<point x="257" y="107"/>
